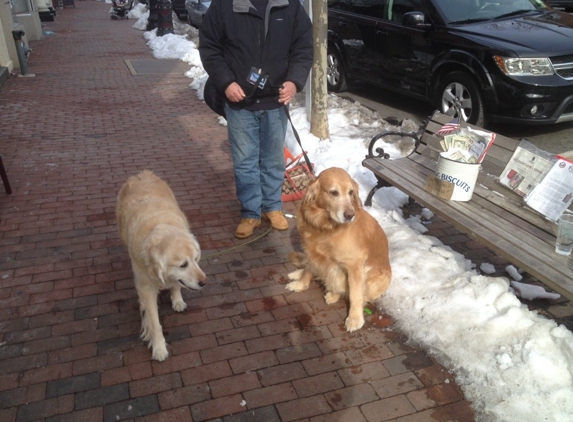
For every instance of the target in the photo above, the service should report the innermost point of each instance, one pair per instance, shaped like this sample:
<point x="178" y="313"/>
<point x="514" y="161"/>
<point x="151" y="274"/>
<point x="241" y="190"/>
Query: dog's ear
<point x="356" y="201"/>
<point x="156" y="267"/>
<point x="149" y="249"/>
<point x="311" y="211"/>
<point x="312" y="191"/>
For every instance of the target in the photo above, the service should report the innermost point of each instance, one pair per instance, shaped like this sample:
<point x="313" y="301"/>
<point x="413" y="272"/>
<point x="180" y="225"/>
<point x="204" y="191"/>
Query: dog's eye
<point x="351" y="193"/>
<point x="334" y="192"/>
<point x="184" y="265"/>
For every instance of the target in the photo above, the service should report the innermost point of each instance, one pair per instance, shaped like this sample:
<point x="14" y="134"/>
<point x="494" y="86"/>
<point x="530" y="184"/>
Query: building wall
<point x="5" y="57"/>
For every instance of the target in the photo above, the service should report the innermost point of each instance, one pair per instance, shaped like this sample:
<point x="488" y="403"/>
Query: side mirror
<point x="414" y="19"/>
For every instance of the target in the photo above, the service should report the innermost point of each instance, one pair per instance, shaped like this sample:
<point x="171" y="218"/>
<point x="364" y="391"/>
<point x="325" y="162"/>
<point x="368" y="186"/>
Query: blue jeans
<point x="257" y="146"/>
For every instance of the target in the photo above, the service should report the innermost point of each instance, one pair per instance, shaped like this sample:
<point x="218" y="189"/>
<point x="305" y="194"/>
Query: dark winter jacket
<point x="235" y="38"/>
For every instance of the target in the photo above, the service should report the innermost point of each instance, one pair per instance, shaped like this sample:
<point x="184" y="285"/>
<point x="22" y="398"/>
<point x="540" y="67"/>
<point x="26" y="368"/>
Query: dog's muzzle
<point x="200" y="283"/>
<point x="349" y="216"/>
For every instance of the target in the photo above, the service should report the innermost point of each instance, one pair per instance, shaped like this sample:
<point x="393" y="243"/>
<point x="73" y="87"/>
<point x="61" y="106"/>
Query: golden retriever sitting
<point x="344" y="246"/>
<point x="164" y="254"/>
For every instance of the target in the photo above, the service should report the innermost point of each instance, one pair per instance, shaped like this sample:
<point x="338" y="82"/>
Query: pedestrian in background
<point x="259" y="54"/>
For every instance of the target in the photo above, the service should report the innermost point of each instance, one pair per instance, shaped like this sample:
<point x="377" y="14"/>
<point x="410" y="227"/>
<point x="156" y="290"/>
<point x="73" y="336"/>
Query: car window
<point x="372" y="8"/>
<point x="397" y="8"/>
<point x="459" y="10"/>
<point x="475" y="10"/>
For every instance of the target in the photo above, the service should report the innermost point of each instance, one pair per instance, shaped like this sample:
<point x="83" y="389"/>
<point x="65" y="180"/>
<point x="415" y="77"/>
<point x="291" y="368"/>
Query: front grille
<point x="568" y="59"/>
<point x="565" y="73"/>
<point x="563" y="66"/>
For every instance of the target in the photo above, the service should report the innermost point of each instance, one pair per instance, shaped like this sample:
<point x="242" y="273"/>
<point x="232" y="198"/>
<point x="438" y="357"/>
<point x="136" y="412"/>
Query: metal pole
<point x="22" y="51"/>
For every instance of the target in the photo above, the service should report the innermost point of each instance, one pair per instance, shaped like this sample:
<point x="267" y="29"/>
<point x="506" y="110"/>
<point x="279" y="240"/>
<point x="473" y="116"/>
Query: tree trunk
<point x="319" y="109"/>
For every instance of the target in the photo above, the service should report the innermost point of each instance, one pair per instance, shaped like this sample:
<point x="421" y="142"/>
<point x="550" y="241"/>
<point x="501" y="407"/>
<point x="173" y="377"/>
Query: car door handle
<point x="379" y="32"/>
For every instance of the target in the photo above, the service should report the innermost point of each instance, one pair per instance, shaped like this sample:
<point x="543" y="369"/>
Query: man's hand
<point x="287" y="92"/>
<point x="235" y="93"/>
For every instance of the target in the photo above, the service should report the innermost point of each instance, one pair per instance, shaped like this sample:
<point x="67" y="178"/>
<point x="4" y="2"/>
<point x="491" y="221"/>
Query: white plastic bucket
<point x="462" y="175"/>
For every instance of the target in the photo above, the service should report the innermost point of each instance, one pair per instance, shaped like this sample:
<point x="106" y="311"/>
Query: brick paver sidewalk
<point x="245" y="349"/>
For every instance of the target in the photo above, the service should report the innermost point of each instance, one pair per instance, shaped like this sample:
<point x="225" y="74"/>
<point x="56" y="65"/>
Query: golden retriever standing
<point x="345" y="246"/>
<point x="164" y="254"/>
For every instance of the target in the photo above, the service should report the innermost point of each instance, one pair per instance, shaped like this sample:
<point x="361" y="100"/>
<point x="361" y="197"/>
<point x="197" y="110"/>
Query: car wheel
<point x="335" y="78"/>
<point x="458" y="89"/>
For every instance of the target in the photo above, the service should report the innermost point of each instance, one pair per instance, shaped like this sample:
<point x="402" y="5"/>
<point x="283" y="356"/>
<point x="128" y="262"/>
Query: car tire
<point x="335" y="77"/>
<point x="461" y="88"/>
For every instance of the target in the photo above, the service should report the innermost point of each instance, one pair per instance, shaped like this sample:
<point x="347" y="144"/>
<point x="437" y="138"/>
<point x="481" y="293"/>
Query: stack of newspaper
<point x="467" y="145"/>
<point x="545" y="180"/>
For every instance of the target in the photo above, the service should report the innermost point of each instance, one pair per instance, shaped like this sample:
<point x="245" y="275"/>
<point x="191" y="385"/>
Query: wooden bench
<point x="495" y="216"/>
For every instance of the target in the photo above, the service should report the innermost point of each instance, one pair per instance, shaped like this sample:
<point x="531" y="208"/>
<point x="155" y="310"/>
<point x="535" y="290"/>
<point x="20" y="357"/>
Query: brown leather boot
<point x="246" y="227"/>
<point x="277" y="219"/>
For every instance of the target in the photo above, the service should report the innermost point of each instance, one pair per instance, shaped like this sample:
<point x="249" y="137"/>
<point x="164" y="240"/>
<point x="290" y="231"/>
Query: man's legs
<point x="243" y="127"/>
<point x="272" y="162"/>
<point x="257" y="146"/>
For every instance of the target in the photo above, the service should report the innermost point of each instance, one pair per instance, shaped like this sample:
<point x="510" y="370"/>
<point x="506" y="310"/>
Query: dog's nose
<point x="349" y="215"/>
<point x="202" y="283"/>
<point x="201" y="277"/>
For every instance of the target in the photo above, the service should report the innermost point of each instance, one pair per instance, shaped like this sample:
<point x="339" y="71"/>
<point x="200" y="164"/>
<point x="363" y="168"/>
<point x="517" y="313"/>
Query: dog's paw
<point x="331" y="298"/>
<point x="296" y="286"/>
<point x="295" y="275"/>
<point x="160" y="352"/>
<point x="353" y="324"/>
<point x="179" y="306"/>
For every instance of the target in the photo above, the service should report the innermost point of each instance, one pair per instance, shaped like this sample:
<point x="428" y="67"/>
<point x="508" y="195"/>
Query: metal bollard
<point x="164" y="17"/>
<point x="22" y="50"/>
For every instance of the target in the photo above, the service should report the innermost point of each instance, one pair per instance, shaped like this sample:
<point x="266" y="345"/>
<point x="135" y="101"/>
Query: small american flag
<point x="449" y="127"/>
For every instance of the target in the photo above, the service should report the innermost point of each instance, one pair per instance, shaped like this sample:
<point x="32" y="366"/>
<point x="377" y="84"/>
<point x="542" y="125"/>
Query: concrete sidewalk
<point x="245" y="349"/>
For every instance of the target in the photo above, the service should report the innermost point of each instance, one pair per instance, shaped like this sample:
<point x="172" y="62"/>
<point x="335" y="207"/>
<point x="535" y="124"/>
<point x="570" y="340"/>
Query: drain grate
<point x="156" y="66"/>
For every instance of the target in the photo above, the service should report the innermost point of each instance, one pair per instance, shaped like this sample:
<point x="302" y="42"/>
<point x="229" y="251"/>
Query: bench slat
<point x="540" y="226"/>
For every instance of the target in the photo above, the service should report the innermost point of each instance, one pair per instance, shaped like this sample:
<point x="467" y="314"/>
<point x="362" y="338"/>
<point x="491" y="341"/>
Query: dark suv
<point x="497" y="60"/>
